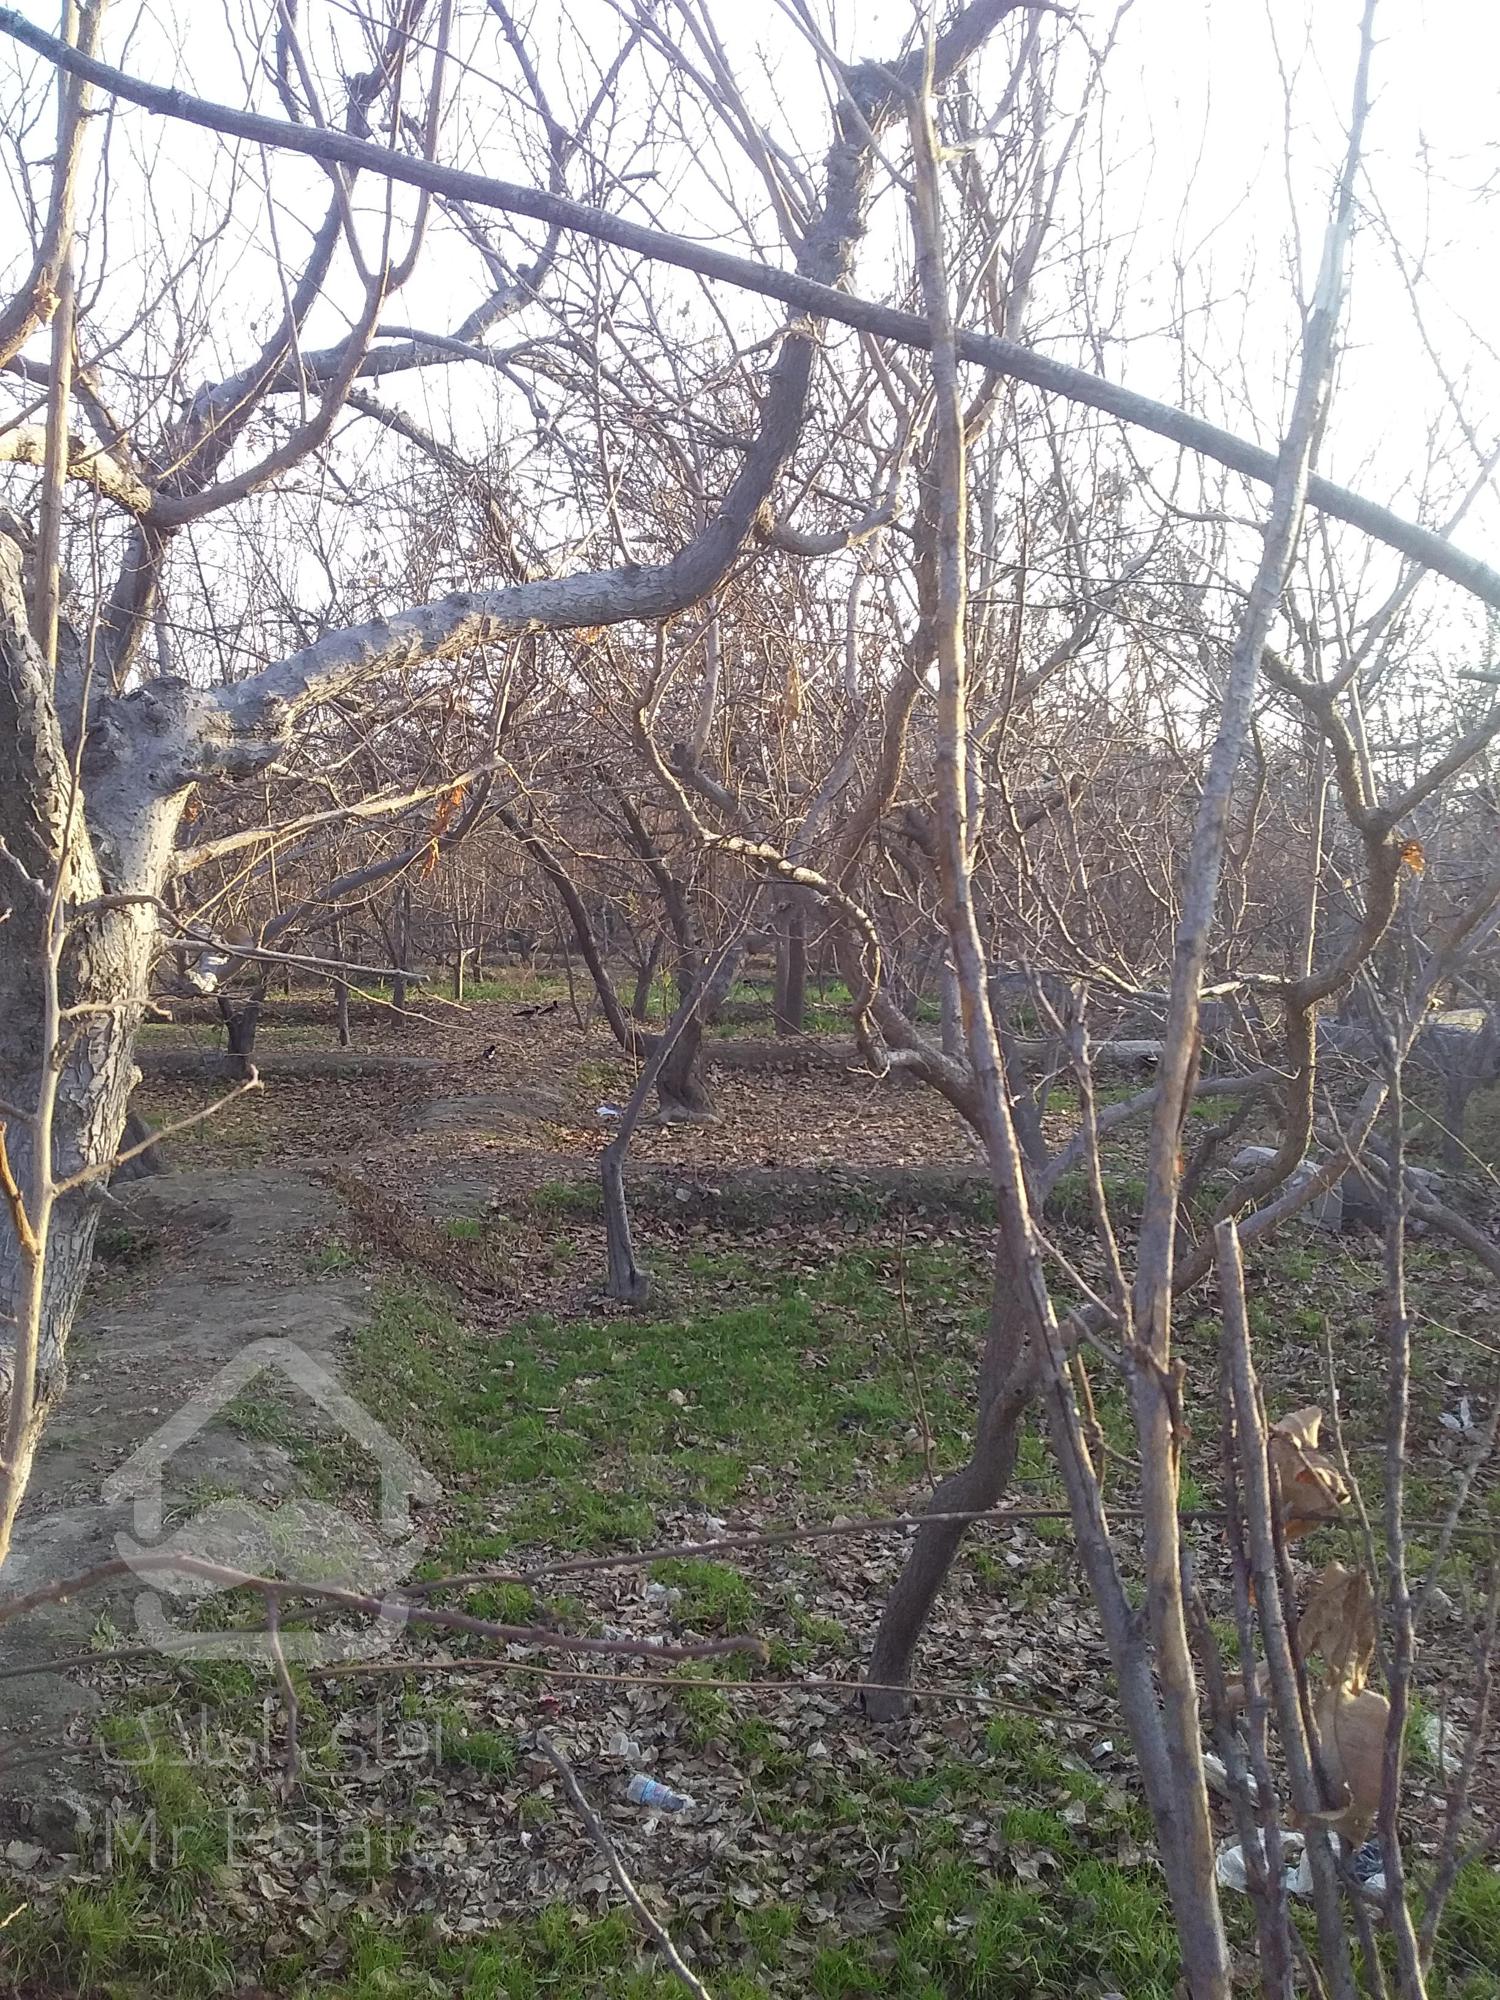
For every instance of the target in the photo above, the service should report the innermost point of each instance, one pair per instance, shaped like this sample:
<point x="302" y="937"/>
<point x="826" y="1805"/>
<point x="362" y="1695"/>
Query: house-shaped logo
<point x="349" y="1563"/>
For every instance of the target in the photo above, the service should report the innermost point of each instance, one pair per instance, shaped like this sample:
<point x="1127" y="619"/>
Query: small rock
<point x="61" y="1820"/>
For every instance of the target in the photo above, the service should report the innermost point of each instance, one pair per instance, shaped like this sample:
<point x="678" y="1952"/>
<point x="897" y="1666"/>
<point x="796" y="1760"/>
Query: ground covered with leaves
<point x="806" y="1362"/>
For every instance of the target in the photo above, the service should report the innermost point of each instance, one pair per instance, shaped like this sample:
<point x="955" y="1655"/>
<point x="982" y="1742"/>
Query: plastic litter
<point x="609" y="1111"/>
<point x="1367" y="1865"/>
<point x="1296" y="1871"/>
<point x="1443" y="1742"/>
<point x="644" y="1791"/>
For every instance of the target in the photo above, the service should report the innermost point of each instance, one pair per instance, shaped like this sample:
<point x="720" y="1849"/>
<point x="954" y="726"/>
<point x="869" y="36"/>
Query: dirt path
<point x="229" y="1266"/>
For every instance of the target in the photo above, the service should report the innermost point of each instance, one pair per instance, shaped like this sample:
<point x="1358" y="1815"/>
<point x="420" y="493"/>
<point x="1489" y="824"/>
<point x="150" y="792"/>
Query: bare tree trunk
<point x="978" y="1484"/>
<point x="241" y="1023"/>
<point x="952" y="1028"/>
<point x="567" y="959"/>
<point x="681" y="1087"/>
<point x="626" y="1280"/>
<point x="402" y="955"/>
<point x="578" y="916"/>
<point x="74" y="1078"/>
<point x="640" y="1005"/>
<point x="340" y="991"/>
<point x="791" y="972"/>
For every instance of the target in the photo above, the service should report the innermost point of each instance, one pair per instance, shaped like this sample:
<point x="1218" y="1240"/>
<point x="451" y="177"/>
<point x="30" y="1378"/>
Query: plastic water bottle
<point x="644" y="1791"/>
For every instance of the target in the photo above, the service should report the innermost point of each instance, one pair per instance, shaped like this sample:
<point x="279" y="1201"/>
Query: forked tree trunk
<point x="682" y="1091"/>
<point x="626" y="1280"/>
<point x="640" y="1005"/>
<point x="978" y="1484"/>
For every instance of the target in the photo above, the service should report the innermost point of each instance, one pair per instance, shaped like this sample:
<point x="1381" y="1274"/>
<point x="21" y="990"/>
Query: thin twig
<point x="111" y="1166"/>
<point x="657" y="1931"/>
<point x="290" y="1757"/>
<point x="25" y="1235"/>
<point x="545" y="1638"/>
<point x="814" y="1684"/>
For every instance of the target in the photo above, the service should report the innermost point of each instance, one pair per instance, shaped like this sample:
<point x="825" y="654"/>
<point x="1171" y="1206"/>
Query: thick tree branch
<point x="26" y="444"/>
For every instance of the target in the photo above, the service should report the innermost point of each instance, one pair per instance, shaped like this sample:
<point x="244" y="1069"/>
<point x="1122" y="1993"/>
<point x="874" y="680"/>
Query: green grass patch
<point x="578" y="1432"/>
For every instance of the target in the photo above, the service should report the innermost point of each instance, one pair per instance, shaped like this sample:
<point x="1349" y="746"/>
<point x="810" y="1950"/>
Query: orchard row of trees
<point x="420" y="542"/>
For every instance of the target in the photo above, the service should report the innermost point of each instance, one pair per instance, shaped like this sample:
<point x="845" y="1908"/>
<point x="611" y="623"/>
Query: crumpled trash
<point x="1296" y="1871"/>
<point x="1443" y="1743"/>
<point x="1461" y="1420"/>
<point x="609" y="1111"/>
<point x="1367" y="1866"/>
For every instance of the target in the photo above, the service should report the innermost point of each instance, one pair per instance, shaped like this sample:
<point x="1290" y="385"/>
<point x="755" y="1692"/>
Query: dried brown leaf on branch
<point x="1310" y="1489"/>
<point x="1339" y="1624"/>
<point x="1351" y="1734"/>
<point x="1350" y="1719"/>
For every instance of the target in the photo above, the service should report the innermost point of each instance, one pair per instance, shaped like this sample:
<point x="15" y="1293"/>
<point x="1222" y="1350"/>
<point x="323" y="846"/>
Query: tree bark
<point x="640" y="1004"/>
<point x="241" y="1024"/>
<point x="791" y="973"/>
<point x="682" y="1091"/>
<point x="103" y="960"/>
<point x="979" y="1483"/>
